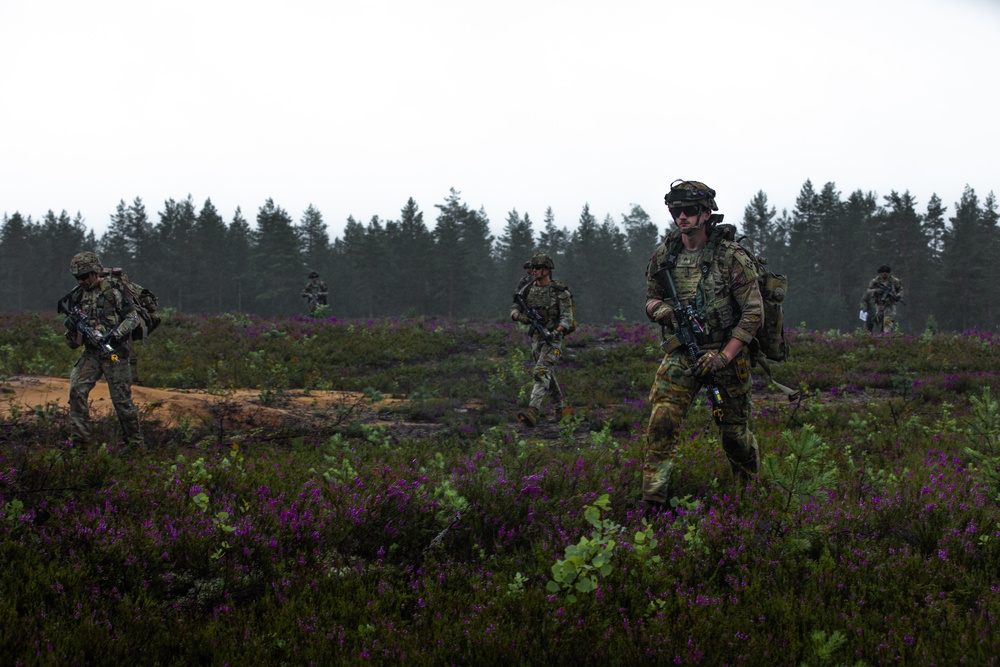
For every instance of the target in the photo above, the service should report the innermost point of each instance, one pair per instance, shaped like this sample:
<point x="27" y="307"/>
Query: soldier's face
<point x="88" y="281"/>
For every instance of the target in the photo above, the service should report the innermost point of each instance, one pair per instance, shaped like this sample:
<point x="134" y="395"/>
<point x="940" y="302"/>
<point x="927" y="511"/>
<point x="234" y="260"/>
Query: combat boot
<point x="528" y="417"/>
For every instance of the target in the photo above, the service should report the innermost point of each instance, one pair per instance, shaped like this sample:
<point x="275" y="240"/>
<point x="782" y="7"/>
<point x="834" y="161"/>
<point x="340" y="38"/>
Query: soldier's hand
<point x="709" y="363"/>
<point x="664" y="316"/>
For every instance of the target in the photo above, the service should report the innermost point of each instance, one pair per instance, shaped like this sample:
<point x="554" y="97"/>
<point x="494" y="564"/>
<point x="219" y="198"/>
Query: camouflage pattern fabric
<point x="88" y="370"/>
<point x="106" y="309"/>
<point x="544" y="356"/>
<point x="885" y="305"/>
<point x="555" y="304"/>
<point x="316" y="292"/>
<point x="671" y="396"/>
<point x="727" y="294"/>
<point x="720" y="282"/>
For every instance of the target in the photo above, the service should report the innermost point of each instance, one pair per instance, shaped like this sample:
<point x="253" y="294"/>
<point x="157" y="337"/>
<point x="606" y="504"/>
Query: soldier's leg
<point x="738" y="442"/>
<point x="555" y="391"/>
<point x="889" y="319"/>
<point x="133" y="362"/>
<point x="85" y="374"/>
<point x="117" y="374"/>
<point x="543" y="373"/>
<point x="671" y="397"/>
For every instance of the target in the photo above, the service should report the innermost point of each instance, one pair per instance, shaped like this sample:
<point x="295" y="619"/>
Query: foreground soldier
<point x="717" y="280"/>
<point x="546" y="306"/>
<point x="110" y="318"/>
<point x="885" y="291"/>
<point x="316" y="291"/>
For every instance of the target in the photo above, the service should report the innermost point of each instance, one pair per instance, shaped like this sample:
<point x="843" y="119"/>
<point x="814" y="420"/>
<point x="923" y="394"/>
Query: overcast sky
<point x="354" y="107"/>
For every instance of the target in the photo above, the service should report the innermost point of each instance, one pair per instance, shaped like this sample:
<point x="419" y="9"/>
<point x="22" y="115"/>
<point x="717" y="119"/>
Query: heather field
<point x="432" y="529"/>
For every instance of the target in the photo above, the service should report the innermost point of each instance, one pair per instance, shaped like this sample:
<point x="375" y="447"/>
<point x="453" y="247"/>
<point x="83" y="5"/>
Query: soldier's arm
<point x="746" y="294"/>
<point x="656" y="293"/>
<point x="128" y="318"/>
<point x="565" y="310"/>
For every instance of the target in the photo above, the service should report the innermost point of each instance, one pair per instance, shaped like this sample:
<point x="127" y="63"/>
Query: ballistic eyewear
<point x="690" y="210"/>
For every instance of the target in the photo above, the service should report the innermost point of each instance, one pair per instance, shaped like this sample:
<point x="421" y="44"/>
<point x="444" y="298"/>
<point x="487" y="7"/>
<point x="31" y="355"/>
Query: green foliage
<point x="982" y="431"/>
<point x="801" y="472"/>
<point x="433" y="541"/>
<point x="590" y="557"/>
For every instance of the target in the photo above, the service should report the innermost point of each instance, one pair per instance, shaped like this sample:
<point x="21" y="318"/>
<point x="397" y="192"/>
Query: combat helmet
<point x="690" y="192"/>
<point x="84" y="262"/>
<point x="542" y="259"/>
<point x="313" y="274"/>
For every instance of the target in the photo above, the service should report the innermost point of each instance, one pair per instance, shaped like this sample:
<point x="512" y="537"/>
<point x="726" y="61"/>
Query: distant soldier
<point x="316" y="292"/>
<point x="886" y="291"/>
<point x="100" y="319"/>
<point x="546" y="306"/>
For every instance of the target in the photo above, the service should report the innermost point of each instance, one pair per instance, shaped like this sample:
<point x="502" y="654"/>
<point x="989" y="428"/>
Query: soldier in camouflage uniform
<point x="717" y="278"/>
<point x="114" y="317"/>
<point x="886" y="291"/>
<point x="553" y="300"/>
<point x="316" y="291"/>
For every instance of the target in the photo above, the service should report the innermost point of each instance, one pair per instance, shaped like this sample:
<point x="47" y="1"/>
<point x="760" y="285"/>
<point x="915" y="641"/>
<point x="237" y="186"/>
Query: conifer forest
<point x="447" y="262"/>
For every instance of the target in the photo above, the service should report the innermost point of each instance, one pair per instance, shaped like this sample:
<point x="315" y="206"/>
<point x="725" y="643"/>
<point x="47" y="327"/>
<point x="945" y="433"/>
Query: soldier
<point x="316" y="291"/>
<point x="885" y="290"/>
<point x="112" y="317"/>
<point x="716" y="278"/>
<point x="552" y="303"/>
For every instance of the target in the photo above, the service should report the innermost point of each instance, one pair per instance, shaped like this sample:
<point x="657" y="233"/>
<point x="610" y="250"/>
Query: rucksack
<point x="563" y="288"/>
<point x="143" y="300"/>
<point x="770" y="338"/>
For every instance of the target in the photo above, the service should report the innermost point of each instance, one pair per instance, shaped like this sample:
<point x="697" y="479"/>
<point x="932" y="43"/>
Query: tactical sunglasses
<point x="84" y="276"/>
<point x="538" y="266"/>
<point x="690" y="210"/>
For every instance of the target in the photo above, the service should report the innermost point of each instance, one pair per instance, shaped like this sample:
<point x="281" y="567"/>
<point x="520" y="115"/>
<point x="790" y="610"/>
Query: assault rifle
<point x="888" y="293"/>
<point x="77" y="322"/>
<point x="535" y="319"/>
<point x="688" y="328"/>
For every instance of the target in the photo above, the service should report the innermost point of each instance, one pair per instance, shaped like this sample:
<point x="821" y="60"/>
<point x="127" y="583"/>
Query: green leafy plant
<point x="590" y="557"/>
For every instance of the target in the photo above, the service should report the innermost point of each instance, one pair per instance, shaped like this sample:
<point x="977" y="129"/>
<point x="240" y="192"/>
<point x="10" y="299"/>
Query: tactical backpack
<point x="143" y="300"/>
<point x="563" y="288"/>
<point x="770" y="338"/>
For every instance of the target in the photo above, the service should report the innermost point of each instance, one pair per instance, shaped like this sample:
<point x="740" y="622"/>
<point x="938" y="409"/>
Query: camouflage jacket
<point x="726" y="294"/>
<point x="318" y="289"/>
<point x="885" y="292"/>
<point x="553" y="301"/>
<point x="106" y="309"/>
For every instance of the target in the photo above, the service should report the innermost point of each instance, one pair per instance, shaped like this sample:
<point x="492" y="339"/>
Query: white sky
<point x="356" y="106"/>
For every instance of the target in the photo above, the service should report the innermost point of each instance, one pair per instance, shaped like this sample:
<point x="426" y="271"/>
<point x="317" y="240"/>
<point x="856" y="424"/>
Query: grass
<point x="872" y="537"/>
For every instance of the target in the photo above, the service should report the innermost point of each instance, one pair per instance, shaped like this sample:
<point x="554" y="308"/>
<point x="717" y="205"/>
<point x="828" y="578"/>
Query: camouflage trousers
<point x="887" y="316"/>
<point x="88" y="370"/>
<point x="671" y="396"/>
<point x="544" y="356"/>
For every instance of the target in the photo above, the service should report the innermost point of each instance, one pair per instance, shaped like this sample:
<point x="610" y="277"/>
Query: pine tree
<point x="59" y="238"/>
<point x="411" y="249"/>
<point x="759" y="225"/>
<point x="515" y="246"/>
<point x="17" y="239"/>
<point x="964" y="271"/>
<point x="209" y="267"/>
<point x="276" y="263"/>
<point x="315" y="241"/>
<point x="239" y="242"/>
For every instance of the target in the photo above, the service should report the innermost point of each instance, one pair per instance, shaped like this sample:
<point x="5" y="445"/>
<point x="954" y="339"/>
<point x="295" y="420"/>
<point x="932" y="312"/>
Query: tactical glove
<point x="710" y="362"/>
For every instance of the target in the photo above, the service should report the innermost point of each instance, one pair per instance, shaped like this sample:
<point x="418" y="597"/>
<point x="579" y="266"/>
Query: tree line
<point x="828" y="246"/>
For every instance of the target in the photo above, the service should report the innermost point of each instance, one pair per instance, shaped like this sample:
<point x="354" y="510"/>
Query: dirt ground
<point x="173" y="407"/>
